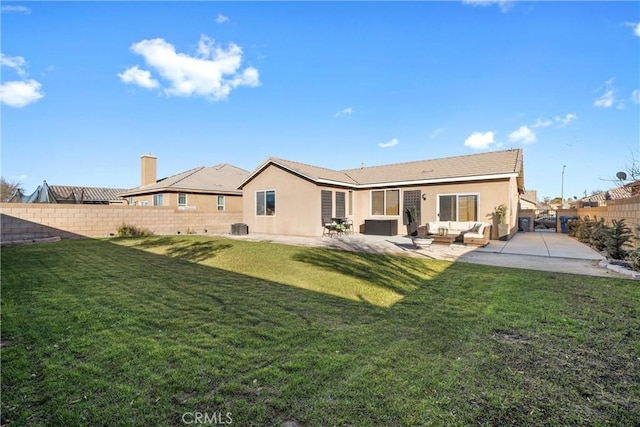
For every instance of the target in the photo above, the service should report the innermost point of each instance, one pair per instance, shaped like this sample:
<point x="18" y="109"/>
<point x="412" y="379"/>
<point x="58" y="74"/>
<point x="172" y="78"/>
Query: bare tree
<point x="8" y="189"/>
<point x="633" y="169"/>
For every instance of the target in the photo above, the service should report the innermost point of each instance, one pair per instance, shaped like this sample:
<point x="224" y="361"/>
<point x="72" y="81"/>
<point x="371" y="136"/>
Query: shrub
<point x="591" y="232"/>
<point x="616" y="237"/>
<point x="598" y="234"/>
<point x="127" y="230"/>
<point x="634" y="258"/>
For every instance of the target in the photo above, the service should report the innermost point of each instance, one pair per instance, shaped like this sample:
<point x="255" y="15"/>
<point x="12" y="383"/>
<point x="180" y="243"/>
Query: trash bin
<point x="563" y="223"/>
<point x="239" y="229"/>
<point x="525" y="224"/>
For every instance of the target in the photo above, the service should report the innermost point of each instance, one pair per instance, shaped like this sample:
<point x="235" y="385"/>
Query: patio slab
<point x="541" y="251"/>
<point x="543" y="244"/>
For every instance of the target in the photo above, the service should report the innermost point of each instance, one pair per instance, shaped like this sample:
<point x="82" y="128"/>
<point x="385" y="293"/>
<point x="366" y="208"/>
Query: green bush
<point x="591" y="232"/>
<point x="127" y="230"/>
<point x="616" y="238"/>
<point x="634" y="258"/>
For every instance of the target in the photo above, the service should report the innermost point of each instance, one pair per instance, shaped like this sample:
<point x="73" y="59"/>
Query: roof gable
<point x="222" y="178"/>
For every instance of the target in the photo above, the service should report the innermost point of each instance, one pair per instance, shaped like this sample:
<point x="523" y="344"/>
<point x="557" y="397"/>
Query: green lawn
<point x="162" y="330"/>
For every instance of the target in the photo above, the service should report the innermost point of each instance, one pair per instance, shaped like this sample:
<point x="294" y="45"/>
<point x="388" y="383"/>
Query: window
<point x="157" y="200"/>
<point x="385" y="202"/>
<point x="340" y="204"/>
<point x="182" y="199"/>
<point x="458" y="207"/>
<point x="468" y="208"/>
<point x="266" y="203"/>
<point x="220" y="203"/>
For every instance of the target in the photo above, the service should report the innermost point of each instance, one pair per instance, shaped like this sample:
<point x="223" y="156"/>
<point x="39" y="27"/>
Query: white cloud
<point x="221" y="19"/>
<point x="20" y="93"/>
<point x="479" y="140"/>
<point x="344" y="112"/>
<point x="16" y="9"/>
<point x="542" y="123"/>
<point x="389" y="144"/>
<point x="635" y="96"/>
<point x="635" y="26"/>
<point x="14" y="62"/>
<point x="608" y="98"/>
<point x="523" y="135"/>
<point x="504" y="5"/>
<point x="139" y="77"/>
<point x="568" y="118"/>
<point x="213" y="73"/>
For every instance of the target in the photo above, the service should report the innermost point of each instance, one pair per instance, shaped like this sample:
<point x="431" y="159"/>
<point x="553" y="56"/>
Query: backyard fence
<point x="21" y="221"/>
<point x="627" y="209"/>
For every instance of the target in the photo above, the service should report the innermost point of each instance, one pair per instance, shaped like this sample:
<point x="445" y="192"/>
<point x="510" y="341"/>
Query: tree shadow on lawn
<point x="400" y="274"/>
<point x="203" y="337"/>
<point x="194" y="249"/>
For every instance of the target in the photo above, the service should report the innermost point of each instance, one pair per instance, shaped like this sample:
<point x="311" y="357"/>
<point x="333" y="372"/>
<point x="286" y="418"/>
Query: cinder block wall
<point x="627" y="209"/>
<point x="32" y="221"/>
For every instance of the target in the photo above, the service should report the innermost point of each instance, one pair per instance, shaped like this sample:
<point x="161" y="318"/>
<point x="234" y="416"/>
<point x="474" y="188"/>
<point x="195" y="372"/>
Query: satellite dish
<point x="621" y="176"/>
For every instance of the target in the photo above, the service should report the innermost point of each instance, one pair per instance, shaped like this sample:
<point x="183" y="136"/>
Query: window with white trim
<point x="182" y="200"/>
<point x="220" y="202"/>
<point x="385" y="202"/>
<point x="157" y="200"/>
<point x="266" y="203"/>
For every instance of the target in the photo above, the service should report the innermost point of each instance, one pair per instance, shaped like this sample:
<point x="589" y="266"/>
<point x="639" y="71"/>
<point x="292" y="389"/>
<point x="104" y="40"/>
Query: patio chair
<point x="348" y="226"/>
<point x="328" y="227"/>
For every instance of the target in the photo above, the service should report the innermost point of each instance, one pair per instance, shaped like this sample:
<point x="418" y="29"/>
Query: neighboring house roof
<point x="491" y="165"/>
<point x="87" y="194"/>
<point x="612" y="194"/>
<point x="535" y="204"/>
<point x="220" y="179"/>
<point x="46" y="193"/>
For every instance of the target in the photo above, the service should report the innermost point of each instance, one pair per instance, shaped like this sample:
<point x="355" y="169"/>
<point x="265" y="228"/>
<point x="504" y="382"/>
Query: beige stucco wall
<point x="34" y="220"/>
<point x="198" y="202"/>
<point x="298" y="203"/>
<point x="490" y="194"/>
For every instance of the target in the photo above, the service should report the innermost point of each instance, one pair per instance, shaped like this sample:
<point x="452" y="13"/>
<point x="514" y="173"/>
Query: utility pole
<point x="562" y="186"/>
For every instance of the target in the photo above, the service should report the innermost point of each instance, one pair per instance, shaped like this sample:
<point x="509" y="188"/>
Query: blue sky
<point x="87" y="87"/>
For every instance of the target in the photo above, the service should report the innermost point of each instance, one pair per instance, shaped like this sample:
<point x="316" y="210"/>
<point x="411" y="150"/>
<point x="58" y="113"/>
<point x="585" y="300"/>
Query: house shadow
<point x="19" y="231"/>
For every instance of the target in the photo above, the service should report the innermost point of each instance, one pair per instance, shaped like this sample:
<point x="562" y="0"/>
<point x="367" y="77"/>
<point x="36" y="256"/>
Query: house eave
<point x="420" y="181"/>
<point x="144" y="192"/>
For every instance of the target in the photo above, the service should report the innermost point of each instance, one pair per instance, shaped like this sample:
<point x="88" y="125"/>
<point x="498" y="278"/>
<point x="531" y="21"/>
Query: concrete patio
<point x="544" y="251"/>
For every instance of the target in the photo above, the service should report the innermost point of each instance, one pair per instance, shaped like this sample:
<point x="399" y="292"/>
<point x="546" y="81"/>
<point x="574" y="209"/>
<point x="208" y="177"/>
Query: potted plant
<point x="503" y="227"/>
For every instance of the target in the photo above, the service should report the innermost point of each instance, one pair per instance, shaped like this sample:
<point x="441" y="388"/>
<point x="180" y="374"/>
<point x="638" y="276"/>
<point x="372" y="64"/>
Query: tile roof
<point x="614" y="194"/>
<point x="222" y="178"/>
<point x="85" y="194"/>
<point x="470" y="166"/>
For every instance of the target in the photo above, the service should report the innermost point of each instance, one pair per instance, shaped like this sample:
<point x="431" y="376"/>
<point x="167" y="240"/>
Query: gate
<point x="546" y="220"/>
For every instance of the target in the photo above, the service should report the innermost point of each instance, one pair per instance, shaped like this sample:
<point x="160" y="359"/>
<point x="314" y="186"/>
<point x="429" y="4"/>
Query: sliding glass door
<point x="458" y="207"/>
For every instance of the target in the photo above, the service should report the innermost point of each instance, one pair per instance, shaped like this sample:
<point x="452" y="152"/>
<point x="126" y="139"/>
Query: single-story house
<point x="616" y="193"/>
<point x="67" y="194"/>
<point x="291" y="198"/>
<point x="529" y="200"/>
<point x="205" y="189"/>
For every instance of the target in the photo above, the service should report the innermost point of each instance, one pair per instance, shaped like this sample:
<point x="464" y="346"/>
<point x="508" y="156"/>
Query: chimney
<point x="148" y="169"/>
